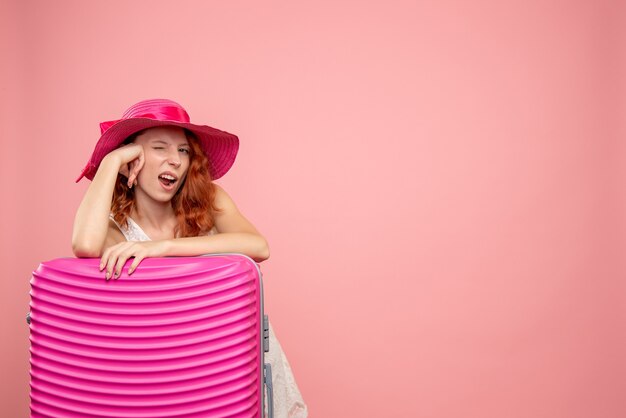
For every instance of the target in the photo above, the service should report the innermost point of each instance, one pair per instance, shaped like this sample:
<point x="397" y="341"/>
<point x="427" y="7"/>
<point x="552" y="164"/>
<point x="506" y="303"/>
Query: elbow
<point x="263" y="252"/>
<point x="81" y="250"/>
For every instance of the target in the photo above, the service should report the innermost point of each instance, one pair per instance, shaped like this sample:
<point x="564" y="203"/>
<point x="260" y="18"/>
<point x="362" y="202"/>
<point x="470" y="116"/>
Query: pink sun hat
<point x="219" y="146"/>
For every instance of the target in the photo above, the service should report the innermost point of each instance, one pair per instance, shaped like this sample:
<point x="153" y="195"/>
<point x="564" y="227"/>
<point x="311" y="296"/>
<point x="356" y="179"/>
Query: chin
<point x="159" y="195"/>
<point x="165" y="197"/>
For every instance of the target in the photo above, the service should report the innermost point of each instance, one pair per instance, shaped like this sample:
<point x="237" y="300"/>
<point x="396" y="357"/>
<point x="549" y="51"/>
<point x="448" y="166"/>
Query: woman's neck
<point x="153" y="214"/>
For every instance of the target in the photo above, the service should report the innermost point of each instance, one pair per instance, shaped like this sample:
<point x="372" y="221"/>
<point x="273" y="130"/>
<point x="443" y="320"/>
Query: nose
<point x="175" y="160"/>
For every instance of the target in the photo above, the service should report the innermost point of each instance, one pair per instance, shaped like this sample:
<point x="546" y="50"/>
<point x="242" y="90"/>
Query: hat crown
<point x="155" y="109"/>
<point x="158" y="109"/>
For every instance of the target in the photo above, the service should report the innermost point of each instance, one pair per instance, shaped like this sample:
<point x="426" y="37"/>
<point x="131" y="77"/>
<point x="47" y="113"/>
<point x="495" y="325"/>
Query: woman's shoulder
<point x="222" y="199"/>
<point x="219" y="190"/>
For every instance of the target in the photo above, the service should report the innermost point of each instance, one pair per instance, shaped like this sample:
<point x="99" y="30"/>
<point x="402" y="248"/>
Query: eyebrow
<point x="167" y="143"/>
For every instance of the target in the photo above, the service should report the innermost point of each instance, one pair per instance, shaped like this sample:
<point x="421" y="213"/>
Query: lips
<point x="168" y="180"/>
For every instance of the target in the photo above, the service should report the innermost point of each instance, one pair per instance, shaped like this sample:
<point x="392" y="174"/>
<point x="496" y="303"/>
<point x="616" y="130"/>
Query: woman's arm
<point x="91" y="222"/>
<point x="235" y="235"/>
<point x="252" y="245"/>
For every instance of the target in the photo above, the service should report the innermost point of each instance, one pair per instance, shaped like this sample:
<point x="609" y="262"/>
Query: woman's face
<point x="166" y="151"/>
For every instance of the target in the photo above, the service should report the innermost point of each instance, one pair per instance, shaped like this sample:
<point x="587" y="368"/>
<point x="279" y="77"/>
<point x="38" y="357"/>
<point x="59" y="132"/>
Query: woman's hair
<point x="193" y="203"/>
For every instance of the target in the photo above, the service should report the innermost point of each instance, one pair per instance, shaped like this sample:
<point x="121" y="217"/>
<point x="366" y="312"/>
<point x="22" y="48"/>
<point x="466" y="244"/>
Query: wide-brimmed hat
<point x="220" y="147"/>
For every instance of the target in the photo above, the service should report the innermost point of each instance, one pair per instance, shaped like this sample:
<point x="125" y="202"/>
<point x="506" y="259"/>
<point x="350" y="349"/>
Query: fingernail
<point x="108" y="275"/>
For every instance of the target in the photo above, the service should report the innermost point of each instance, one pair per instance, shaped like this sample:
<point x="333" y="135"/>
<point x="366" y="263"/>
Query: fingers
<point x="135" y="263"/>
<point x="114" y="258"/>
<point x="134" y="168"/>
<point x="139" y="163"/>
<point x="132" y="174"/>
<point x="119" y="265"/>
<point x="124" y="170"/>
<point x="131" y="162"/>
<point x="109" y="259"/>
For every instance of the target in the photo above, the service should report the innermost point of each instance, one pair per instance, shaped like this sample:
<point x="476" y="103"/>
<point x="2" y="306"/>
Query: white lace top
<point x="288" y="402"/>
<point x="133" y="232"/>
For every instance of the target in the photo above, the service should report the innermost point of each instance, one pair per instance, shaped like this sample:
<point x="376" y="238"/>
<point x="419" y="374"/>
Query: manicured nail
<point x="108" y="275"/>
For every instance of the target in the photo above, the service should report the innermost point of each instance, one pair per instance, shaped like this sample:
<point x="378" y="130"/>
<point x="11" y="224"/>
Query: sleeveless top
<point x="288" y="402"/>
<point x="133" y="232"/>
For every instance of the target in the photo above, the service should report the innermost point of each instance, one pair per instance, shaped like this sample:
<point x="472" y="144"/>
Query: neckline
<point x="139" y="228"/>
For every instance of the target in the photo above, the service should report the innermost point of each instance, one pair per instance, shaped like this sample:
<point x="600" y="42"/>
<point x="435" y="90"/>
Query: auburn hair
<point x="193" y="203"/>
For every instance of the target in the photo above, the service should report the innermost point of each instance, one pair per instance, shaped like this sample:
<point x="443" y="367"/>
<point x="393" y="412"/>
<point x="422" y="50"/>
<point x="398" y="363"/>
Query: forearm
<point x="92" y="217"/>
<point x="252" y="245"/>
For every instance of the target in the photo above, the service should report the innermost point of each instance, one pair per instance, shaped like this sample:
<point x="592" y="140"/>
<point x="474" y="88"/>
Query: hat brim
<point x="220" y="147"/>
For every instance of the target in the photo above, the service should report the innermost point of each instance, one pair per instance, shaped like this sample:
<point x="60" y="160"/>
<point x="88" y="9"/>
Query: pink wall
<point x="441" y="183"/>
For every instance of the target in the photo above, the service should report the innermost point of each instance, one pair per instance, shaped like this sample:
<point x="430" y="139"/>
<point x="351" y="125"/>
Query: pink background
<point x="441" y="184"/>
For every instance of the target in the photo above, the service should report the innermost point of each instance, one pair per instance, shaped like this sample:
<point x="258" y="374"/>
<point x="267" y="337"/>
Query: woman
<point x="152" y="195"/>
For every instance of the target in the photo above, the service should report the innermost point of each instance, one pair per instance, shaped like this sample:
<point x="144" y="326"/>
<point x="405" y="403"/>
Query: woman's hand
<point x="131" y="160"/>
<point x="114" y="257"/>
